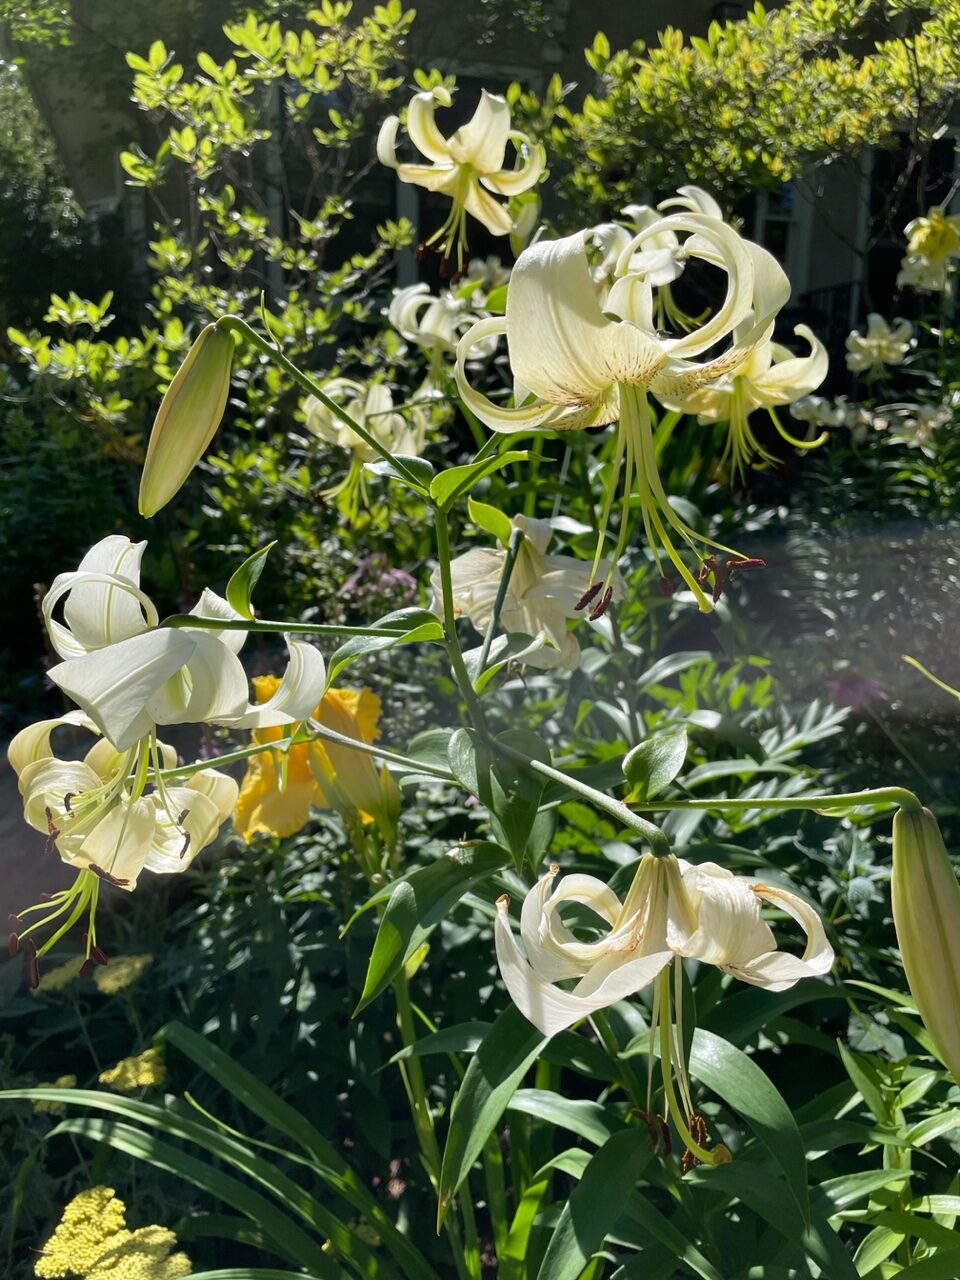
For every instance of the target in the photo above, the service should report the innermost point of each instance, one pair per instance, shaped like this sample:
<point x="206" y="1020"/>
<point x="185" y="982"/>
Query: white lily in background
<point x="664" y="257"/>
<point x="370" y="405"/>
<point x="129" y="674"/>
<point x="435" y="324"/>
<point x="102" y="820"/>
<point x="932" y="244"/>
<point x="483" y="275"/>
<point x="468" y="166"/>
<point x="881" y="345"/>
<point x="770" y="376"/>
<point x="543" y="592"/>
<point x="585" y="352"/>
<point x="672" y="909"/>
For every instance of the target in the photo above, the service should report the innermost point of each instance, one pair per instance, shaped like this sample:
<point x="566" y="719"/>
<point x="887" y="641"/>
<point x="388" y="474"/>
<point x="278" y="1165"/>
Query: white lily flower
<point x="672" y="909"/>
<point x="543" y="592"/>
<point x="483" y="275"/>
<point x="435" y="324"/>
<point x="880" y="345"/>
<point x="770" y="376"/>
<point x="819" y="411"/>
<point x="370" y="405"/>
<point x="664" y="256"/>
<point x="468" y="166"/>
<point x="102" y="821"/>
<point x="128" y="674"/>
<point x="586" y="352"/>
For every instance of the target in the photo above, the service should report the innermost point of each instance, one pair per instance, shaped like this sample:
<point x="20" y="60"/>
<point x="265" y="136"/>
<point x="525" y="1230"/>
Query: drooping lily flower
<point x="663" y="257"/>
<point x="932" y="244"/>
<point x="881" y="345"/>
<point x="543" y="592"/>
<point x="370" y="405"/>
<point x="282" y="786"/>
<point x="770" y="376"/>
<point x="585" y="351"/>
<point x="468" y="166"/>
<point x="435" y="324"/>
<point x="100" y="817"/>
<point x="129" y="674"/>
<point x="672" y="909"/>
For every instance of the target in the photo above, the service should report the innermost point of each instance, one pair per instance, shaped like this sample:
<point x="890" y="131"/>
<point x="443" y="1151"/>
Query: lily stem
<point x="878" y="797"/>
<point x="235" y="324"/>
<point x="513" y="550"/>
<point x="454" y="653"/>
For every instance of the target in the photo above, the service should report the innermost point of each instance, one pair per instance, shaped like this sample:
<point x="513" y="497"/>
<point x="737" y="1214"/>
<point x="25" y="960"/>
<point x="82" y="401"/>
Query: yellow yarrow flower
<point x="121" y="973"/>
<point x="55" y="1108"/>
<point x="281" y="787"/>
<point x="61" y="977"/>
<point x="92" y="1242"/>
<point x="142" y="1071"/>
<point x="89" y="1221"/>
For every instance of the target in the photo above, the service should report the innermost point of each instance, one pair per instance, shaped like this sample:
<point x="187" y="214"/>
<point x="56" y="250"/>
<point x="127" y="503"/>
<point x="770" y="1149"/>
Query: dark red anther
<point x="15" y="921"/>
<point x="601" y="608"/>
<point x="108" y="876"/>
<point x="186" y="844"/>
<point x="421" y="251"/>
<point x="666" y="587"/>
<point x="31" y="966"/>
<point x="97" y="953"/>
<point x="591" y="592"/>
<point x="181" y="816"/>
<point x="444" y="271"/>
<point x="46" y="897"/>
<point x="86" y="968"/>
<point x="66" y="800"/>
<point x="14" y="944"/>
<point x="737" y="566"/>
<point x="52" y="828"/>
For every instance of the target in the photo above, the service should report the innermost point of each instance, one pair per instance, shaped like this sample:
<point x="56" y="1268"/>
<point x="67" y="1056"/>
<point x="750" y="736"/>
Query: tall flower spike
<point x="468" y="166"/>
<point x="585" y="351"/>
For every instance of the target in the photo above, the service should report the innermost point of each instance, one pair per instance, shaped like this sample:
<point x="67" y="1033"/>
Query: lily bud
<point x="188" y="416"/>
<point x="926" y="913"/>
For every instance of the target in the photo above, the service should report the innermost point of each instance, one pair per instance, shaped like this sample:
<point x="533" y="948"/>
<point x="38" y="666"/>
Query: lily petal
<point x="513" y="182"/>
<point x="482" y="141"/>
<point x="423" y="131"/>
<point x="298" y="693"/>
<point x="789" y="380"/>
<point x="33" y="742"/>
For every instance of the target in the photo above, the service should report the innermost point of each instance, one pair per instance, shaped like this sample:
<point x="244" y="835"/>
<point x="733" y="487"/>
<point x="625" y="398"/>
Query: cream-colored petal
<point x="212" y="606"/>
<point x="545" y="939"/>
<point x="431" y="177"/>
<point x="387" y="142"/>
<point x="789" y="380"/>
<point x="218" y="787"/>
<point x="120" y="843"/>
<point x="211" y="684"/>
<point x="513" y="182"/>
<point x="45" y="782"/>
<point x="488" y="211"/>
<point x="33" y="742"/>
<point x="98" y="611"/>
<point x="482" y="141"/>
<point x="423" y="131"/>
<point x="107" y="605"/>
<point x="114" y="685"/>
<point x="182" y="830"/>
<point x="730" y="930"/>
<point x="297" y="695"/>
<point x="561" y="344"/>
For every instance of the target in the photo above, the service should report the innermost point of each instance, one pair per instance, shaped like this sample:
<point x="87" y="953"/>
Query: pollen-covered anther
<point x="712" y="569"/>
<point x="590" y="594"/>
<point x="186" y="844"/>
<point x="601" y="608"/>
<point x="698" y="1131"/>
<point x="657" y="1128"/>
<point x="110" y="878"/>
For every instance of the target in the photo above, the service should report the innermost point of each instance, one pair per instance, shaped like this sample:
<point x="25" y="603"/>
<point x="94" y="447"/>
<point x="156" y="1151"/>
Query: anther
<point x="86" y="968"/>
<point x="15" y="921"/>
<point x="66" y="800"/>
<point x="52" y="828"/>
<point x="97" y="954"/>
<point x="31" y="965"/>
<point x="186" y="844"/>
<point x="181" y="816"/>
<point x="108" y="876"/>
<point x="737" y="566"/>
<point x="601" y="608"/>
<point x="14" y="944"/>
<point x="444" y="271"/>
<point x="666" y="587"/>
<point x="591" y="592"/>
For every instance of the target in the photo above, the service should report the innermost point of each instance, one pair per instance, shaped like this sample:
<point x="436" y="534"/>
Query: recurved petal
<point x="33" y="742"/>
<point x="789" y="380"/>
<point x="210" y="685"/>
<point x="181" y="830"/>
<point x="423" y="131"/>
<point x="212" y="606"/>
<point x="442" y="178"/>
<point x="98" y="611"/>
<point x="513" y="182"/>
<point x="44" y="783"/>
<point x="114" y="685"/>
<point x="297" y="695"/>
<point x="562" y="346"/>
<point x="218" y="787"/>
<point x="482" y="141"/>
<point x="387" y="142"/>
<point x="729" y="928"/>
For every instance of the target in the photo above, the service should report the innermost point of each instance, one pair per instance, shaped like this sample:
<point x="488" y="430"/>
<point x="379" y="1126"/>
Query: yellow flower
<point x="121" y="973"/>
<point x="92" y="1241"/>
<point x="281" y="787"/>
<point x="60" y="977"/>
<point x="139" y="1072"/>
<point x="55" y="1108"/>
<point x="89" y="1221"/>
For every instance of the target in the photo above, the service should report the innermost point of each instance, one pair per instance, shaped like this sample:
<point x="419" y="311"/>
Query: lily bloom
<point x="672" y="909"/>
<point x="770" y="376"/>
<point x="283" y="785"/>
<point x="469" y="166"/>
<point x="101" y="819"/>
<point x="543" y="592"/>
<point x="585" y="351"/>
<point x="371" y="405"/>
<point x="129" y="674"/>
<point x="880" y="345"/>
<point x="932" y="243"/>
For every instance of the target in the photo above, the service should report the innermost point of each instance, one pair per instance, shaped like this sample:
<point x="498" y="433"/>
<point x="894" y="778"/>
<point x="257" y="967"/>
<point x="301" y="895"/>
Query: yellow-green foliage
<point x="756" y="101"/>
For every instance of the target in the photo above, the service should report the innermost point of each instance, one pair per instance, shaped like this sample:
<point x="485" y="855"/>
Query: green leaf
<point x="642" y="1222"/>
<point x="251" y="1273"/>
<point x="595" y="1204"/>
<point x="589" y="1120"/>
<point x="240" y="587"/>
<point x="421" y="470"/>
<point x="418" y="903"/>
<point x="449" y="485"/>
<point x="737" y="1079"/>
<point x="493" y="1076"/>
<point x="418" y="624"/>
<point x="511" y="791"/>
<point x="942" y="1266"/>
<point x="653" y="765"/>
<point x="491" y="520"/>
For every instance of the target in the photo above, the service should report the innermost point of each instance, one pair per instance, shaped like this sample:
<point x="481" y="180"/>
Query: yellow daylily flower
<point x="281" y="787"/>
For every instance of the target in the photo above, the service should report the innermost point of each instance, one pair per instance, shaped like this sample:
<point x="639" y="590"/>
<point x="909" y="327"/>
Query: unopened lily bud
<point x="188" y="416"/>
<point x="926" y="913"/>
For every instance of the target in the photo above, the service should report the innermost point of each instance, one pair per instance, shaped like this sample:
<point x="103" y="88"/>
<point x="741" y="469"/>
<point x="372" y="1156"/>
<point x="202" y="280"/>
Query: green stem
<point x="235" y="325"/>
<point x="184" y="620"/>
<point x="513" y="550"/>
<point x="454" y="653"/>
<point x="879" y="797"/>
<point x="658" y="842"/>
<point x="628" y="1077"/>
